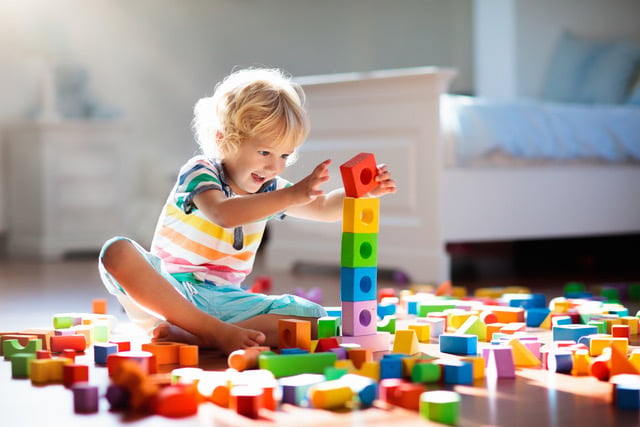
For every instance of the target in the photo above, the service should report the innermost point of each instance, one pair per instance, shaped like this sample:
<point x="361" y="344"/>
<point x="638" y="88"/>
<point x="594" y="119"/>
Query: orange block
<point x="358" y="175"/>
<point x="146" y="361"/>
<point x="620" y="364"/>
<point x="74" y="373"/>
<point x="177" y="401"/>
<point x="360" y="355"/>
<point x="59" y="343"/>
<point x="294" y="333"/>
<point x="246" y="358"/>
<point x="188" y="355"/>
<point x="506" y="314"/>
<point x="99" y="306"/>
<point x="167" y="353"/>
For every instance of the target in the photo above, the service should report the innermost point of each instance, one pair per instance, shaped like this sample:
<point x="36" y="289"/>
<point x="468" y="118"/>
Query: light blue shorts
<point x="227" y="303"/>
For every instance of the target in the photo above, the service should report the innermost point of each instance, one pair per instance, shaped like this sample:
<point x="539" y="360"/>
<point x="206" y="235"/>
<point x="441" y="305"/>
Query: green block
<point x="573" y="287"/>
<point x="602" y="326"/>
<point x="359" y="250"/>
<point x="20" y="364"/>
<point x="387" y="324"/>
<point x="434" y="307"/>
<point x="426" y="372"/>
<point x="333" y="373"/>
<point x="634" y="292"/>
<point x="286" y="365"/>
<point x="62" y="321"/>
<point x="611" y="294"/>
<point x="11" y="347"/>
<point x="441" y="406"/>
<point x="328" y="327"/>
<point x="100" y="333"/>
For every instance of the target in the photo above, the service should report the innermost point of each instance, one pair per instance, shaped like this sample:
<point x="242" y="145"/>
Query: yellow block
<point x="581" y="362"/>
<point x="423" y="331"/>
<point x="522" y="356"/>
<point x="361" y="215"/>
<point x="635" y="358"/>
<point x="632" y="322"/>
<point x="406" y="342"/>
<point x="330" y="394"/>
<point x="478" y="365"/>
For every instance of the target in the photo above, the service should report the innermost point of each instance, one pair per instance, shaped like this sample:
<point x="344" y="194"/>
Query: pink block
<point x="380" y="341"/>
<point x="359" y="318"/>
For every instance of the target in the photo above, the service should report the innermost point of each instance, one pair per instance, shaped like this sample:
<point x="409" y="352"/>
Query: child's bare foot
<point x="227" y="338"/>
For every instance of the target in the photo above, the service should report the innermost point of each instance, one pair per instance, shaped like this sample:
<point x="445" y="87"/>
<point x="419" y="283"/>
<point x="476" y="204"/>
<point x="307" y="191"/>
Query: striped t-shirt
<point x="192" y="247"/>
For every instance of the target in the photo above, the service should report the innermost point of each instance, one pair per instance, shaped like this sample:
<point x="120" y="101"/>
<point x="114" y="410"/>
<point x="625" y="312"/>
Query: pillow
<point x="590" y="71"/>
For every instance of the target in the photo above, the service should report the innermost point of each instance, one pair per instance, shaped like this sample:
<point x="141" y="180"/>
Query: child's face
<point x="256" y="161"/>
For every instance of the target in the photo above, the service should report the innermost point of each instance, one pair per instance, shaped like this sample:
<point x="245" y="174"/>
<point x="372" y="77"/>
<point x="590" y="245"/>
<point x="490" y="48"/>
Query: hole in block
<point x="286" y="337"/>
<point x="365" y="284"/>
<point x="367" y="216"/>
<point x="366" y="250"/>
<point x="365" y="317"/>
<point x="366" y="176"/>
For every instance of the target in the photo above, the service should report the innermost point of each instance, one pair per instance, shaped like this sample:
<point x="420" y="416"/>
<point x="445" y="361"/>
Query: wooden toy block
<point x="426" y="372"/>
<point x="391" y="366"/>
<point x="99" y="306"/>
<point x="572" y="332"/>
<point x="627" y="396"/>
<point x="442" y="316"/>
<point x="214" y="387"/>
<point x="473" y="325"/>
<point x="423" y="331"/>
<point x="387" y="307"/>
<point x="326" y="344"/>
<point x="389" y="390"/>
<point x="65" y="321"/>
<point x="634" y="358"/>
<point x="188" y="355"/>
<point x="507" y="314"/>
<point x="13" y="346"/>
<point x="22" y="340"/>
<point x="456" y="371"/>
<point x="360" y="355"/>
<point x="440" y="406"/>
<point x="247" y="358"/>
<point x="177" y="401"/>
<point x="43" y="354"/>
<point x="409" y="395"/>
<point x="20" y="364"/>
<point x="370" y="369"/>
<point x="456" y="317"/>
<point x="296" y="387"/>
<point x="47" y="371"/>
<point x="145" y="360"/>
<point x="365" y="389"/>
<point x="294" y="364"/>
<point x="85" y="398"/>
<point x="102" y="350"/>
<point x="358" y="284"/>
<point x="118" y="397"/>
<point x="361" y="215"/>
<point x="294" y="333"/>
<point x="74" y="373"/>
<point x="387" y="324"/>
<point x="620" y="331"/>
<point x="493" y="328"/>
<point x="487" y="317"/>
<point x="514" y="327"/>
<point x="522" y="356"/>
<point x="328" y="326"/>
<point x="581" y="362"/>
<point x="73" y="342"/>
<point x="461" y="344"/>
<point x="85" y="330"/>
<point x="478" y="366"/>
<point x="123" y="345"/>
<point x="100" y="332"/>
<point x="330" y="394"/>
<point x="599" y="366"/>
<point x="499" y="362"/>
<point x="43" y="334"/>
<point x="359" y="250"/>
<point x="599" y="343"/>
<point x="130" y="375"/>
<point x="379" y="341"/>
<point x="435" y="306"/>
<point x="69" y="354"/>
<point x="406" y="342"/>
<point x="359" y="318"/>
<point x="620" y="364"/>
<point x="560" y="319"/>
<point x="436" y="325"/>
<point x="167" y="353"/>
<point x="535" y="316"/>
<point x="559" y="361"/>
<point x="246" y="401"/>
<point x="358" y="175"/>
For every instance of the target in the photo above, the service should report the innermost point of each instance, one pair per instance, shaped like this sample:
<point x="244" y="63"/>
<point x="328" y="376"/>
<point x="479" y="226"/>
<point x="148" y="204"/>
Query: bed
<point x="409" y="122"/>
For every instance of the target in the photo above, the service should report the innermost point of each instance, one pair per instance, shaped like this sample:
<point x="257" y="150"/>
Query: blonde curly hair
<point x="247" y="103"/>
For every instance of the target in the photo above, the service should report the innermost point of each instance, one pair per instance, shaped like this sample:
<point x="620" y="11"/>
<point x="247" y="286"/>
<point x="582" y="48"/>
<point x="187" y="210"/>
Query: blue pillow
<point x="590" y="71"/>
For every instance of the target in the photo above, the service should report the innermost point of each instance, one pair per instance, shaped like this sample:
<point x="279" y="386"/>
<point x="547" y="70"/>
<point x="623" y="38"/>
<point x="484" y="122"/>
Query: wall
<point x="152" y="59"/>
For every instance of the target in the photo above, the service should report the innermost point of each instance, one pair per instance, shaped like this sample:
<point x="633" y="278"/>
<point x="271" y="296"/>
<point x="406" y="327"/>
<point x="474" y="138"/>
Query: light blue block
<point x="386" y="309"/>
<point x="358" y="283"/>
<point x="462" y="344"/>
<point x="535" y="316"/>
<point x="572" y="332"/>
<point x="102" y="350"/>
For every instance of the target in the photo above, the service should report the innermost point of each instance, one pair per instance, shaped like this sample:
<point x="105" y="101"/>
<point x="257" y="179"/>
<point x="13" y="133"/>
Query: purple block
<point x="85" y="398"/>
<point x="359" y="318"/>
<point x="499" y="361"/>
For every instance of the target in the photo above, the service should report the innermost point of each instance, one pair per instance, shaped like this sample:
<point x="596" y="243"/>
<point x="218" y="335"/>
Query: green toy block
<point x="573" y="287"/>
<point x="475" y="326"/>
<point x="100" y="333"/>
<point x="286" y="365"/>
<point x="61" y="321"/>
<point x="20" y="364"/>
<point x="425" y="308"/>
<point x="359" y="250"/>
<point x="387" y="324"/>
<point x="426" y="372"/>
<point x="441" y="406"/>
<point x="11" y="347"/>
<point x="333" y="373"/>
<point x="611" y="294"/>
<point x="328" y="327"/>
<point x="602" y="326"/>
<point x="634" y="291"/>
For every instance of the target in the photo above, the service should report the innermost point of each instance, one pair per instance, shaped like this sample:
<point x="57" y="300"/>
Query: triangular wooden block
<point x="546" y="323"/>
<point x="522" y="356"/>
<point x="474" y="326"/>
<point x="620" y="364"/>
<point x="406" y="342"/>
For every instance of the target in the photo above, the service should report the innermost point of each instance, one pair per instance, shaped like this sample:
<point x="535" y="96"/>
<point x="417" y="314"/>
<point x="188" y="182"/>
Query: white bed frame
<point x="395" y="115"/>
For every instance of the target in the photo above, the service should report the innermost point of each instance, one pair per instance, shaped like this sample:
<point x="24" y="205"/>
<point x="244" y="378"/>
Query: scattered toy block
<point x="572" y="332"/>
<point x="507" y="314"/>
<point x="102" y="350"/>
<point x="478" y="366"/>
<point x="499" y="362"/>
<point x="294" y="333"/>
<point x="620" y="331"/>
<point x="296" y="387"/>
<point x="391" y="366"/>
<point x="246" y="358"/>
<point x="359" y="356"/>
<point x="359" y="318"/>
<point x="388" y="390"/>
<point x="330" y="394"/>
<point x="74" y="373"/>
<point x="364" y="389"/>
<point x="535" y="316"/>
<point x="22" y="340"/>
<point x="99" y="306"/>
<point x="632" y="322"/>
<point x="85" y="398"/>
<point x="358" y="284"/>
<point x="440" y="406"/>
<point x="409" y="395"/>
<point x="74" y="342"/>
<point x="359" y="175"/>
<point x="360" y="215"/>
<point x="473" y="325"/>
<point x="13" y="346"/>
<point x="359" y="250"/>
<point x="294" y="364"/>
<point x="456" y="371"/>
<point x="177" y="401"/>
<point x="461" y="344"/>
<point x="327" y="344"/>
<point x="47" y="371"/>
<point x="20" y="363"/>
<point x="435" y="306"/>
<point x="123" y="345"/>
<point x="379" y="341"/>
<point x="426" y="372"/>
<point x="328" y="326"/>
<point x="513" y="328"/>
<point x="406" y="342"/>
<point x="423" y="331"/>
<point x="522" y="356"/>
<point x="581" y="363"/>
<point x="246" y="401"/>
<point x="188" y="355"/>
<point x="627" y="396"/>
<point x="167" y="353"/>
<point x="145" y="360"/>
<point x="619" y="363"/>
<point x="387" y="324"/>
<point x="387" y="307"/>
<point x="130" y="375"/>
<point x="214" y="387"/>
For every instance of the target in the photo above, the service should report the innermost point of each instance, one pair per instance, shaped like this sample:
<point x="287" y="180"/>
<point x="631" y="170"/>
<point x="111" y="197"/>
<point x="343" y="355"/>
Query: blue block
<point x="102" y="350"/>
<point x="627" y="396"/>
<point x="412" y="307"/>
<point x="527" y="300"/>
<point x="391" y="366"/>
<point x="293" y="350"/>
<point x="621" y="312"/>
<point x="463" y="344"/>
<point x="334" y="311"/>
<point x="572" y="332"/>
<point x="457" y="372"/>
<point x="535" y="316"/>
<point x="560" y="362"/>
<point x="358" y="283"/>
<point x="386" y="309"/>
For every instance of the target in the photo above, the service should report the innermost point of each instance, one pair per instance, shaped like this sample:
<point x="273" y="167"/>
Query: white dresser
<point x="66" y="186"/>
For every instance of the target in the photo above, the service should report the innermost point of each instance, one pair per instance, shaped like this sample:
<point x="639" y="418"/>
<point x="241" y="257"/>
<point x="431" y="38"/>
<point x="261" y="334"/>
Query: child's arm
<point x="236" y="211"/>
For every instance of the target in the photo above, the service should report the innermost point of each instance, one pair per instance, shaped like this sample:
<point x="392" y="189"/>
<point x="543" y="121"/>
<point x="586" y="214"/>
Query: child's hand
<point x="386" y="184"/>
<point x="308" y="188"/>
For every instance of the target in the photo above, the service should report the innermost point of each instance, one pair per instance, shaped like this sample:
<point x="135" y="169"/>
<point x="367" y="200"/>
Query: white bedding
<point x="481" y="131"/>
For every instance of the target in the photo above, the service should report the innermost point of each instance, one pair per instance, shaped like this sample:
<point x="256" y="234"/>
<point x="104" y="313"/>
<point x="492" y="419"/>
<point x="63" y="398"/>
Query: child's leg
<point x="149" y="289"/>
<point x="268" y="325"/>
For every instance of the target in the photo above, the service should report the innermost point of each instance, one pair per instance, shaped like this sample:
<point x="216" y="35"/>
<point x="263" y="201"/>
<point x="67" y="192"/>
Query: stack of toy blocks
<point x="359" y="255"/>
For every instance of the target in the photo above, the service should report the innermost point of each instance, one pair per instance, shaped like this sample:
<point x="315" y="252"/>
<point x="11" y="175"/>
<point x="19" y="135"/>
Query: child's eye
<point x="285" y="156"/>
<point x="263" y="153"/>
